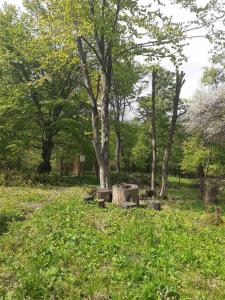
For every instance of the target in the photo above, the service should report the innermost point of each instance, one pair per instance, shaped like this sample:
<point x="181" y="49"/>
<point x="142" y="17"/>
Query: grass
<point x="64" y="249"/>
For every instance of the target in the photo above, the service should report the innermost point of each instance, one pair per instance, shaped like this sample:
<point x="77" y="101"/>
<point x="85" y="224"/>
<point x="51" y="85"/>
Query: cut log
<point x="124" y="192"/>
<point x="101" y="203"/>
<point x="104" y="194"/>
<point x="128" y="205"/>
<point x="88" y="198"/>
<point x="156" y="205"/>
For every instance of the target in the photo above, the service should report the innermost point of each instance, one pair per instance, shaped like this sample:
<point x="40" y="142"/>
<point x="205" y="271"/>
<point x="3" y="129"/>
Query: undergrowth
<point x="66" y="249"/>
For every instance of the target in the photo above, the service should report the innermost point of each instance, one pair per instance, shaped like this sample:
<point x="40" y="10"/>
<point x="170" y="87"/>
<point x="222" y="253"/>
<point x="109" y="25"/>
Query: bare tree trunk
<point x="19" y="162"/>
<point x="96" y="168"/>
<point x="201" y="175"/>
<point x="118" y="134"/>
<point x="101" y="49"/>
<point x="179" y="83"/>
<point x="47" y="147"/>
<point x="153" y="133"/>
<point x="104" y="162"/>
<point x="61" y="167"/>
<point x="101" y="147"/>
<point x="164" y="173"/>
<point x="118" y="150"/>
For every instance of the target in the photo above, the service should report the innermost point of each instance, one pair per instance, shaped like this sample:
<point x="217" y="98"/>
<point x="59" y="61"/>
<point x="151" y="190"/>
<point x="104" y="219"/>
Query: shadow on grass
<point x="92" y="179"/>
<point x="6" y="219"/>
<point x="63" y="181"/>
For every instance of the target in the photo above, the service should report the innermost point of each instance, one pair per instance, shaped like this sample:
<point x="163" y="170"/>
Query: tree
<point x="206" y="114"/>
<point x="104" y="31"/>
<point x="125" y="90"/>
<point x="204" y="159"/>
<point x="153" y="131"/>
<point x="46" y="75"/>
<point x="162" y="113"/>
<point x="175" y="114"/>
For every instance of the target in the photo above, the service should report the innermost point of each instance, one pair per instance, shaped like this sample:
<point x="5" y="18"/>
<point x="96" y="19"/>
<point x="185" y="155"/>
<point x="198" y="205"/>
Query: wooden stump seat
<point x="122" y="193"/>
<point x="104" y="194"/>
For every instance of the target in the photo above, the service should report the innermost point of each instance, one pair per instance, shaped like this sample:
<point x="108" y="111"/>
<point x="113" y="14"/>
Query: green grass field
<point x="52" y="246"/>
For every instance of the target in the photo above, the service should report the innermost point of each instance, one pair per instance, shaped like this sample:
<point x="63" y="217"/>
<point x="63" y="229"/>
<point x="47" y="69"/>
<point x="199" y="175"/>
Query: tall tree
<point x="175" y="114"/>
<point x="153" y="131"/>
<point x="126" y="88"/>
<point x="103" y="31"/>
<point x="46" y="75"/>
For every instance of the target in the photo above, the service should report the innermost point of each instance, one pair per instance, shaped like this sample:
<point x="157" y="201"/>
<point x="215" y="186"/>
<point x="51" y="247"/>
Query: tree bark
<point x="119" y="111"/>
<point x="179" y="84"/>
<point x="153" y="133"/>
<point x="201" y="175"/>
<point x="118" y="151"/>
<point x="164" y="172"/>
<point x="47" y="147"/>
<point x="100" y="137"/>
<point x="104" y="161"/>
<point x="100" y="46"/>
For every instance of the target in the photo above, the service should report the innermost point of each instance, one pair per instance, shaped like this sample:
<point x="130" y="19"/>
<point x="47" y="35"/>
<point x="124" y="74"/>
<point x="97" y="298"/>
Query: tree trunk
<point x="104" y="161"/>
<point x="119" y="111"/>
<point x="164" y="174"/>
<point x="19" y="162"/>
<point x="118" y="150"/>
<point x="61" y="167"/>
<point x="100" y="135"/>
<point x="47" y="147"/>
<point x="179" y="83"/>
<point x="153" y="134"/>
<point x="201" y="175"/>
<point x="96" y="168"/>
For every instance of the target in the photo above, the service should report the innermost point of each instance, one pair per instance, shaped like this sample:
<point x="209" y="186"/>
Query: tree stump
<point x="101" y="203"/>
<point x="156" y="205"/>
<point x="218" y="216"/>
<point x="124" y="192"/>
<point x="88" y="198"/>
<point x="92" y="191"/>
<point x="128" y="205"/>
<point x="104" y="194"/>
<point x="211" y="190"/>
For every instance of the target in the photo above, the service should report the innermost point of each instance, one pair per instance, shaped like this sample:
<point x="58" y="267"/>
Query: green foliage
<point x="210" y="156"/>
<point x="39" y="94"/>
<point x="70" y="250"/>
<point x="141" y="148"/>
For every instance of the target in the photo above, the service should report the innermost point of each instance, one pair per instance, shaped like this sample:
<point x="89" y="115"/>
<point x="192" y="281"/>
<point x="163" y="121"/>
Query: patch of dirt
<point x="29" y="207"/>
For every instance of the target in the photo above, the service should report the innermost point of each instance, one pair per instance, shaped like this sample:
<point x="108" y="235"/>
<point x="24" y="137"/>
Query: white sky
<point x="197" y="51"/>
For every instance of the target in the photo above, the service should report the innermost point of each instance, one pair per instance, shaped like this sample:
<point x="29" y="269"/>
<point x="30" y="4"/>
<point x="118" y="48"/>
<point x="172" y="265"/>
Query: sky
<point x="197" y="52"/>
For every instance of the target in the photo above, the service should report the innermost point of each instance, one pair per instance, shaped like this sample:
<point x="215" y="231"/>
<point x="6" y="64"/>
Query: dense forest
<point x="91" y="95"/>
